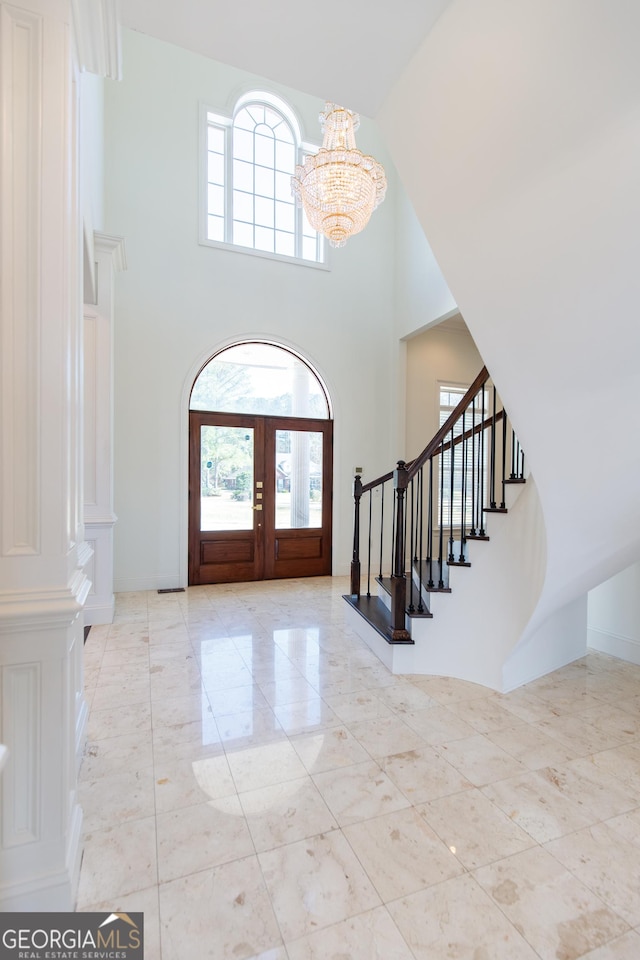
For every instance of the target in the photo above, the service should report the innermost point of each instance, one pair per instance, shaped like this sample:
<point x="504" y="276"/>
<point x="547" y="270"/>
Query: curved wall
<point x="516" y="133"/>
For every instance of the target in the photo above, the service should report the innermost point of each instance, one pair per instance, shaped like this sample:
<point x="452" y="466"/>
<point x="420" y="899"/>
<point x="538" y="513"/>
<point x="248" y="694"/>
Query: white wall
<point x="526" y="117"/>
<point x="179" y="301"/>
<point x="614" y="615"/>
<point x="440" y="354"/>
<point x="422" y="295"/>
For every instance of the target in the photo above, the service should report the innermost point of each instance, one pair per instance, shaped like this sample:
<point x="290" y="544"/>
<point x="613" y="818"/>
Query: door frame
<point x="275" y="552"/>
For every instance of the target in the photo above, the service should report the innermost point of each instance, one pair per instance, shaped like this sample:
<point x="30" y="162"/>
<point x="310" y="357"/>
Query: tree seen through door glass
<point x="226" y="478"/>
<point x="298" y="479"/>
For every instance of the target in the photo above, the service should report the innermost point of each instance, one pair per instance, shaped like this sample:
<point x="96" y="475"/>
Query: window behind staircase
<point x="450" y="397"/>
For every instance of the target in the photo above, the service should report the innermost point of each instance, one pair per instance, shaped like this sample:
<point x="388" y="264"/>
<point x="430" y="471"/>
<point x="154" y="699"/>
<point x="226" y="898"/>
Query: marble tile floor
<point x="260" y="786"/>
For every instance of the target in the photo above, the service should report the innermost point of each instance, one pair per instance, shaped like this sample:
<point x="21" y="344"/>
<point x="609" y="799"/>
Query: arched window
<point x="251" y="157"/>
<point x="260" y="378"/>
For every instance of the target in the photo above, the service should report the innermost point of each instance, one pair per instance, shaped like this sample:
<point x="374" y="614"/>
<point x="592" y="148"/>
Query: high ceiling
<point x="348" y="51"/>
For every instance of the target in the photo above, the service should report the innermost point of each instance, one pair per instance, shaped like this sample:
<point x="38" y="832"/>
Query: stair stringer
<point x="476" y="627"/>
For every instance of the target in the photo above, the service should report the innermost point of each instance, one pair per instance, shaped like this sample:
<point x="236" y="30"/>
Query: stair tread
<point x="375" y="612"/>
<point x="385" y="582"/>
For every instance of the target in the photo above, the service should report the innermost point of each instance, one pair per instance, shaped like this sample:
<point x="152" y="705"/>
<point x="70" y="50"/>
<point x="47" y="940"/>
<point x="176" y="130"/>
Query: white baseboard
<point x="624" y="648"/>
<point x="99" y="613"/>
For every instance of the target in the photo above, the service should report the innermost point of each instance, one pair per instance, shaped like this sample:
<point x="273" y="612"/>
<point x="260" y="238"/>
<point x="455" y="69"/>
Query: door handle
<point x="258" y="506"/>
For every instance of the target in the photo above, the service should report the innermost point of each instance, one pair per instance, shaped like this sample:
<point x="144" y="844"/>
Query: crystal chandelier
<point x="339" y="187"/>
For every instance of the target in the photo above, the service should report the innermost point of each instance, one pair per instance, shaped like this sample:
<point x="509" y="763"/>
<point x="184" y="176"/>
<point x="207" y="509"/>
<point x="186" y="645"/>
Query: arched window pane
<point x="244" y="120"/>
<point x="259" y="378"/>
<point x="257" y="112"/>
<point x="285" y="157"/>
<point x="264" y="151"/>
<point x="243" y="175"/>
<point x="264" y="181"/>
<point x="283" y="187"/>
<point x="243" y="145"/>
<point x="283" y="133"/>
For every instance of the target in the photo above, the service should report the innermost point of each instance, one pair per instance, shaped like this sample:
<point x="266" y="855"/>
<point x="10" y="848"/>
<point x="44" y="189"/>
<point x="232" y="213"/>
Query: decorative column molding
<point x="21" y="41"/>
<point x="97" y="31"/>
<point x="99" y="516"/>
<point x="43" y="586"/>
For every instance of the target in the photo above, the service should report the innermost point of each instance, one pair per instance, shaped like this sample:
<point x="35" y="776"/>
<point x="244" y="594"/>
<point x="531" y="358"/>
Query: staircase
<point x="443" y="542"/>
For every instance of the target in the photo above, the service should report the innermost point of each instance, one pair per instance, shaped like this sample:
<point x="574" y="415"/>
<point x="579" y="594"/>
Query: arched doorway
<point x="260" y="467"/>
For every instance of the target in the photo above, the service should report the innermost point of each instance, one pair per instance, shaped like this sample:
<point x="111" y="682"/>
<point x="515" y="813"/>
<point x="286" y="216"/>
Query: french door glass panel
<point x="298" y="479"/>
<point x="226" y="478"/>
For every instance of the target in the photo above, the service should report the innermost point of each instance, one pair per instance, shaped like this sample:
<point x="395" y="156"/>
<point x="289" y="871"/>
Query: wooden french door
<point x="260" y="497"/>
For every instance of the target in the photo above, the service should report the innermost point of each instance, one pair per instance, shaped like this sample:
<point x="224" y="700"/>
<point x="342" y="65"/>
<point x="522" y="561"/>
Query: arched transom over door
<point x="260" y="468"/>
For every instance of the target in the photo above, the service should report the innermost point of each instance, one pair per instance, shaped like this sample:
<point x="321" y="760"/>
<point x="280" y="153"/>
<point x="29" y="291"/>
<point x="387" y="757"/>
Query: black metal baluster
<point x="355" y="560"/>
<point x="513" y="454"/>
<point x="430" y="525"/>
<point x="481" y="450"/>
<point x="463" y="510"/>
<point x="394" y="528"/>
<point x="414" y="545"/>
<point x="441" y="532"/>
<point x="419" y="554"/>
<point x="474" y="499"/>
<point x="451" y="558"/>
<point x="398" y="630"/>
<point x="492" y="474"/>
<point x="369" y="547"/>
<point x="504" y="456"/>
<point x="411" y="532"/>
<point x="381" y="526"/>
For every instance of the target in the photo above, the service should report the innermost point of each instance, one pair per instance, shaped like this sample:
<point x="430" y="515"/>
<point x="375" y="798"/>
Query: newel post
<point x="397" y="627"/>
<point x="355" y="562"/>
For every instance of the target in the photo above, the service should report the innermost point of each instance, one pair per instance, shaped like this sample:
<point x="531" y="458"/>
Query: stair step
<point x="431" y="570"/>
<point x="385" y="583"/>
<point x="376" y="613"/>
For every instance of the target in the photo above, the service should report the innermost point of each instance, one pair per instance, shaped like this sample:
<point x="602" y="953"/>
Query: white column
<point x="42" y="583"/>
<point x="99" y="517"/>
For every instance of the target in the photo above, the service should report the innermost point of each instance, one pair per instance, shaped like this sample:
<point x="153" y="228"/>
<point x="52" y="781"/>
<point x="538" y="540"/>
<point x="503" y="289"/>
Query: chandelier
<point x="339" y="187"/>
